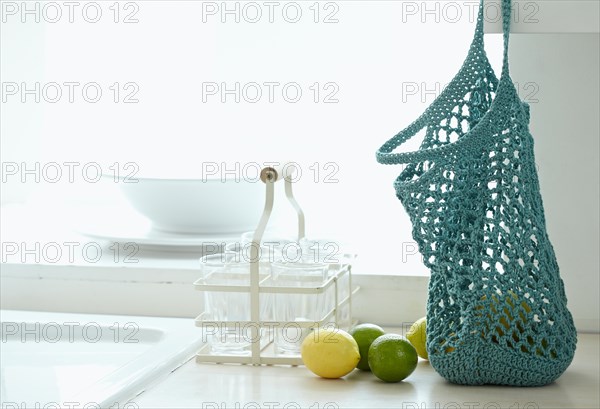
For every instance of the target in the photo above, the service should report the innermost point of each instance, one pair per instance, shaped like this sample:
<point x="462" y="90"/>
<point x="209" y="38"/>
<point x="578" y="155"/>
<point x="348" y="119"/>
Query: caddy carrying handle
<point x="269" y="175"/>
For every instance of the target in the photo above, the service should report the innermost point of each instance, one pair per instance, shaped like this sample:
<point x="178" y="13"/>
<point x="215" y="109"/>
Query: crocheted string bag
<point x="496" y="310"/>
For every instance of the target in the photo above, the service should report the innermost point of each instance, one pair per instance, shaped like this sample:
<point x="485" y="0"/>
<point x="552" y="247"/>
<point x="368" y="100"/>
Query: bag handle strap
<point x="385" y="154"/>
<point x="506" y="16"/>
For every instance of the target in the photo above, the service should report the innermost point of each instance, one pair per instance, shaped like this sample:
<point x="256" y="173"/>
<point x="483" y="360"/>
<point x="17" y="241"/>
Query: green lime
<point x="392" y="358"/>
<point x="365" y="334"/>
<point x="417" y="336"/>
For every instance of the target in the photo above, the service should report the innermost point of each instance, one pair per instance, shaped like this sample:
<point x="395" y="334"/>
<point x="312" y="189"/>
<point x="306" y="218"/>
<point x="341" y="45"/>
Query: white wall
<point x="371" y="53"/>
<point x="563" y="72"/>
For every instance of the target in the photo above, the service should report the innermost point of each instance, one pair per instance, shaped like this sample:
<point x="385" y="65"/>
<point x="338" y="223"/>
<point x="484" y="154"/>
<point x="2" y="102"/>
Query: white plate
<point x="125" y="227"/>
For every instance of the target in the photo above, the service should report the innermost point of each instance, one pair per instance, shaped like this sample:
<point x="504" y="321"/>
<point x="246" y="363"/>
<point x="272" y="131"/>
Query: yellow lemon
<point x="513" y="321"/>
<point x="330" y="352"/>
<point x="417" y="336"/>
<point x="511" y="324"/>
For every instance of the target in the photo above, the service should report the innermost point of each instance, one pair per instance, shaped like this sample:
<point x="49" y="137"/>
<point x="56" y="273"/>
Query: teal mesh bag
<point x="496" y="310"/>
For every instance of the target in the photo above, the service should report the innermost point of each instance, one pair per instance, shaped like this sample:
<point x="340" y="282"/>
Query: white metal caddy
<point x="262" y="350"/>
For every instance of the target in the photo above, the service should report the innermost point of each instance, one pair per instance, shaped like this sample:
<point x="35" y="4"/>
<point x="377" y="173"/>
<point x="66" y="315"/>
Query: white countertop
<point x="243" y="386"/>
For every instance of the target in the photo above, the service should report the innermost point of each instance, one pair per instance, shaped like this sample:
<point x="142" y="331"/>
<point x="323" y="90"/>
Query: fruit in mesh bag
<point x="504" y="310"/>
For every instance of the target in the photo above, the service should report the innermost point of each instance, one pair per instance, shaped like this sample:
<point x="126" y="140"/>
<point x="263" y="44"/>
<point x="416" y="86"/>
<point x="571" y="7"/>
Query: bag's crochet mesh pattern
<point x="496" y="312"/>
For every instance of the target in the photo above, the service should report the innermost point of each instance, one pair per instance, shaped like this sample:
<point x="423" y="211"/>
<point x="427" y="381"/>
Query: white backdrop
<point x="564" y="124"/>
<point x="378" y="66"/>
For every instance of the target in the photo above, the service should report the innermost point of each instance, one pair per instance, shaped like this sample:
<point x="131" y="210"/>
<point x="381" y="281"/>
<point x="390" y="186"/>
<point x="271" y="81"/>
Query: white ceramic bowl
<point x="197" y="206"/>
